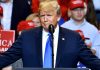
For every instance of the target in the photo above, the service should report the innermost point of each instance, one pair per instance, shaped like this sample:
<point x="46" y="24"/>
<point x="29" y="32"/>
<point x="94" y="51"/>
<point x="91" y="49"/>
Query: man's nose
<point x="45" y="18"/>
<point x="79" y="10"/>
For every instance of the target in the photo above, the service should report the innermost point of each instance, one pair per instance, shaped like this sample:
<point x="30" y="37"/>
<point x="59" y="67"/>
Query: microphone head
<point x="51" y="29"/>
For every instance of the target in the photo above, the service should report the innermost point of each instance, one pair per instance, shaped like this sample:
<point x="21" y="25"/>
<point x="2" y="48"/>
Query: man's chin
<point x="45" y="28"/>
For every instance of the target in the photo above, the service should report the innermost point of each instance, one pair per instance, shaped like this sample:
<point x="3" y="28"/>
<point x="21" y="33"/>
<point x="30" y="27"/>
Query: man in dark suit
<point x="68" y="45"/>
<point x="21" y="9"/>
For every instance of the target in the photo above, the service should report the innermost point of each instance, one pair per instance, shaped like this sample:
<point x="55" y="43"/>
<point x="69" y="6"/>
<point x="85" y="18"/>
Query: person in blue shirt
<point x="77" y="13"/>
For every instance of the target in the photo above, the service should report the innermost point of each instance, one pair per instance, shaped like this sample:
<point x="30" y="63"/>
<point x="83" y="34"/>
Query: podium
<point x="51" y="69"/>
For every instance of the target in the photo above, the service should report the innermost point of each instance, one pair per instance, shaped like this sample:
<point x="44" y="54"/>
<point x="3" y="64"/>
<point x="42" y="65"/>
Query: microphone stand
<point x="52" y="45"/>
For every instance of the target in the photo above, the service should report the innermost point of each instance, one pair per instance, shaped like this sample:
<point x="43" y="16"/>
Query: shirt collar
<point x="56" y="32"/>
<point x="73" y="22"/>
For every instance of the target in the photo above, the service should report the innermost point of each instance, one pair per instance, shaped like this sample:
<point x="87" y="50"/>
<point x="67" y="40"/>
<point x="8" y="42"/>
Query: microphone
<point x="51" y="29"/>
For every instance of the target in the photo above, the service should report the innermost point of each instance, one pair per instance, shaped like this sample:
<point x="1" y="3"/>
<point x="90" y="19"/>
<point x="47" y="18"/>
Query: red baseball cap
<point x="1" y="11"/>
<point x="76" y="4"/>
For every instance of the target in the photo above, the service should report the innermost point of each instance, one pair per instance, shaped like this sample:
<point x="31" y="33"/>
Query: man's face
<point x="48" y="17"/>
<point x="78" y="14"/>
<point x="36" y="21"/>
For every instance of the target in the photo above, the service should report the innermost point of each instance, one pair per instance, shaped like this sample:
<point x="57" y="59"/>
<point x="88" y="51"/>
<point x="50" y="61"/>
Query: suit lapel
<point x="60" y="48"/>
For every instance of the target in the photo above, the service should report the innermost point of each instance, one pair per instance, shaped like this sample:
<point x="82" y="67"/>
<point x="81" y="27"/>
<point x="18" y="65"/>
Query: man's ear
<point x="69" y="13"/>
<point x="85" y="9"/>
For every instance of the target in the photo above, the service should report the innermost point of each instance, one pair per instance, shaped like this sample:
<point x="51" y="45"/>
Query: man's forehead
<point x="78" y="9"/>
<point x="47" y="8"/>
<point x="47" y="11"/>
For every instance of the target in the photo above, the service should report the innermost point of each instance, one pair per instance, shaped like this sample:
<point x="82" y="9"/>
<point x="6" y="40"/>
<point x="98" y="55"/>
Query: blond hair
<point x="50" y="5"/>
<point x="32" y="16"/>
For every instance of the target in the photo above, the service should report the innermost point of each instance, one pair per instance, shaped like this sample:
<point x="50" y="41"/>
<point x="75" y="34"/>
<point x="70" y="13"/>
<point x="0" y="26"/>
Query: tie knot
<point x="49" y="34"/>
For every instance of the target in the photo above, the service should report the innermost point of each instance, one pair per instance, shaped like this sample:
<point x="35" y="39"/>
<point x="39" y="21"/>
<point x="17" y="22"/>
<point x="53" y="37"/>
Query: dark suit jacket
<point x="71" y="49"/>
<point x="21" y="9"/>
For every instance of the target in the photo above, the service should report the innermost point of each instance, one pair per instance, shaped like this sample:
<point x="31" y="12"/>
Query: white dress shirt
<point x="7" y="12"/>
<point x="44" y="39"/>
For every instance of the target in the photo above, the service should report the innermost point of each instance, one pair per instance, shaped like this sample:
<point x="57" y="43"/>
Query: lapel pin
<point x="63" y="38"/>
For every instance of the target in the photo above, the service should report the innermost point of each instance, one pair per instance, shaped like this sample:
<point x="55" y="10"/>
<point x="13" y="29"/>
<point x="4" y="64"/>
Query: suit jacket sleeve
<point x="87" y="57"/>
<point x="12" y="54"/>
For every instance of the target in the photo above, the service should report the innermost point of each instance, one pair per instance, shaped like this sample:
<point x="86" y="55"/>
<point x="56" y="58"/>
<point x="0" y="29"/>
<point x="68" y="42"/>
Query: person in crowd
<point x="35" y="5"/>
<point x="34" y="18"/>
<point x="14" y="12"/>
<point x="1" y="15"/>
<point x="21" y="9"/>
<point x="97" y="11"/>
<point x="24" y="25"/>
<point x="68" y="45"/>
<point x="1" y="28"/>
<point x="6" y="13"/>
<point x="91" y="16"/>
<point x="77" y="12"/>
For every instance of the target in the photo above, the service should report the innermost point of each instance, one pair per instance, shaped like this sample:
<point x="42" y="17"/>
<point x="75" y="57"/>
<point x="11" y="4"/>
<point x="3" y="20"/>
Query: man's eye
<point x="45" y="15"/>
<point x="42" y="15"/>
<point x="49" y="15"/>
